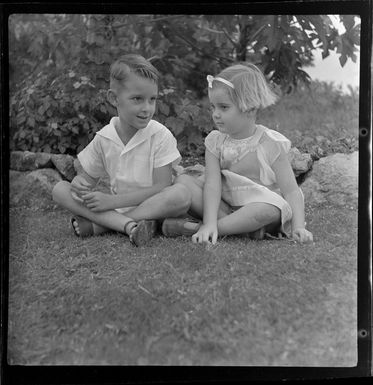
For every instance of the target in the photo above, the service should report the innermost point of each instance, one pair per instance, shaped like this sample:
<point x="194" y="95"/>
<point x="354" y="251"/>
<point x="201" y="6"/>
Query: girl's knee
<point x="268" y="214"/>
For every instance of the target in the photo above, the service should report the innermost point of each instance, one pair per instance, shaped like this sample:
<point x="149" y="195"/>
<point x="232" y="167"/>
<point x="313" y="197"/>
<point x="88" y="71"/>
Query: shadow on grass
<point x="101" y="301"/>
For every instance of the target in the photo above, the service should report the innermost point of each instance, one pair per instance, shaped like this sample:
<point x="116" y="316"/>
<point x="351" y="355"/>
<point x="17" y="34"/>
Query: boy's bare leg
<point x="196" y="207"/>
<point x="103" y="221"/>
<point x="172" y="201"/>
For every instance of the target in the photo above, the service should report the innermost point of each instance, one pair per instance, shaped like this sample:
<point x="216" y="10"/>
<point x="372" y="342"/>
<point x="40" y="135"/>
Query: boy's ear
<point x="112" y="97"/>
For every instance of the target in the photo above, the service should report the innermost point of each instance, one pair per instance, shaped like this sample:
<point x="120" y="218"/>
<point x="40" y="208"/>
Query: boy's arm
<point x="82" y="182"/>
<point x="97" y="201"/>
<point x="162" y="177"/>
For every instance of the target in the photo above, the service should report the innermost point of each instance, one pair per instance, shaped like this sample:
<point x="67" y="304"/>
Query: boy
<point x="136" y="153"/>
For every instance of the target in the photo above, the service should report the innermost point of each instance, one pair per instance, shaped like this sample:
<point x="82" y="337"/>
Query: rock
<point x="300" y="162"/>
<point x="333" y="179"/>
<point x="29" y="161"/>
<point x="317" y="152"/>
<point x="65" y="165"/>
<point x="32" y="189"/>
<point x="43" y="160"/>
<point x="22" y="161"/>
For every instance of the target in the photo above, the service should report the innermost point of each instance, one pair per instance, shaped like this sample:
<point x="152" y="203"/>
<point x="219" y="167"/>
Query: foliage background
<point x="59" y="73"/>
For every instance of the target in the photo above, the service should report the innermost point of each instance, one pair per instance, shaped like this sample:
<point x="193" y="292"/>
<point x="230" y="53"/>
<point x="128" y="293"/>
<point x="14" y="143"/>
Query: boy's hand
<point x="302" y="235"/>
<point x="98" y="201"/>
<point x="205" y="233"/>
<point x="79" y="185"/>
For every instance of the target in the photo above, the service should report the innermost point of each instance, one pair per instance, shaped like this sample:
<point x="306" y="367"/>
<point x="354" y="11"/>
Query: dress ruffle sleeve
<point x="213" y="142"/>
<point x="271" y="146"/>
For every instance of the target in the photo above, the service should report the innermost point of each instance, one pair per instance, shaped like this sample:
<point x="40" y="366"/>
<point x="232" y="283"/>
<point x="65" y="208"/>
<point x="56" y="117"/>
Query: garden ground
<point x="101" y="301"/>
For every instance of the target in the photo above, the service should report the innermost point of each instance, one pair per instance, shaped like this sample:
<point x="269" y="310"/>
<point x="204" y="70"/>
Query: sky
<point x="330" y="69"/>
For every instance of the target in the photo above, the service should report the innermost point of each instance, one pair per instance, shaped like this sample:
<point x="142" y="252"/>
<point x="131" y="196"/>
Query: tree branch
<point x="216" y="57"/>
<point x="148" y="20"/>
<point x="235" y="45"/>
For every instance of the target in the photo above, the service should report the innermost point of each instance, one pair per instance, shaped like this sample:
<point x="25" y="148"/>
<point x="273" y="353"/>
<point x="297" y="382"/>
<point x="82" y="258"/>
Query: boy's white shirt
<point x="129" y="166"/>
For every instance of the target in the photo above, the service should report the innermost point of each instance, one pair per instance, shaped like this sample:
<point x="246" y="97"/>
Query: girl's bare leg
<point x="247" y="219"/>
<point x="250" y="218"/>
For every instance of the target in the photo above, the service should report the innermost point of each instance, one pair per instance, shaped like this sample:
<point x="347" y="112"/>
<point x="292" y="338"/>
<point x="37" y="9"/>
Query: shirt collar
<point x="110" y="133"/>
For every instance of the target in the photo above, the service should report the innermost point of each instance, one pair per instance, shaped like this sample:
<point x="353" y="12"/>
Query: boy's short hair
<point x="131" y="63"/>
<point x="251" y="89"/>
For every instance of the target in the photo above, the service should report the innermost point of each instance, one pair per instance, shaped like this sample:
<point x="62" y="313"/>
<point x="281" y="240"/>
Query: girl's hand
<point x="98" y="201"/>
<point x="205" y="233"/>
<point x="302" y="235"/>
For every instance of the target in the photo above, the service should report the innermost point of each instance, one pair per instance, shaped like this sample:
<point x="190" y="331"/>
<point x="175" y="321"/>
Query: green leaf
<point x="75" y="130"/>
<point x="61" y="148"/>
<point x="343" y="59"/>
<point x="31" y="121"/>
<point x="164" y="108"/>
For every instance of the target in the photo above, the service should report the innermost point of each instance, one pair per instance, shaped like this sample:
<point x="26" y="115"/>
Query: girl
<point x="249" y="185"/>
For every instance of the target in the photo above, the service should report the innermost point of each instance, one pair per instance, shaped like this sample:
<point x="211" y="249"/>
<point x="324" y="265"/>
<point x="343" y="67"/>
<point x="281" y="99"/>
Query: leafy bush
<point x="60" y="118"/>
<point x="64" y="117"/>
<point x="59" y="66"/>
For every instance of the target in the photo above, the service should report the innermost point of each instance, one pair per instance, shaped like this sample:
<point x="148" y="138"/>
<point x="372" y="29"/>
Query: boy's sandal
<point x="85" y="226"/>
<point x="143" y="232"/>
<point x="173" y="227"/>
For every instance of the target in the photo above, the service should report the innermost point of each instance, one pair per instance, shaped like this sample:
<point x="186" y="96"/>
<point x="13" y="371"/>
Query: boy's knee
<point x="184" y="179"/>
<point x="180" y="197"/>
<point x="59" y="191"/>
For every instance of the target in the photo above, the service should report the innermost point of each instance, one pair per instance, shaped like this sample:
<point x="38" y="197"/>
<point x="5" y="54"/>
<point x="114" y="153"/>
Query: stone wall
<point x="332" y="179"/>
<point x="65" y="164"/>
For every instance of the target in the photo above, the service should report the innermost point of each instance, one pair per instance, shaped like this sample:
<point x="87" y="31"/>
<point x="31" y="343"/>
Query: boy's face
<point x="227" y="117"/>
<point x="135" y="101"/>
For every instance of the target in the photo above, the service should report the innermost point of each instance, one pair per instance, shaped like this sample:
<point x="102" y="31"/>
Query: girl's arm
<point x="98" y="201"/>
<point x="211" y="201"/>
<point x="292" y="194"/>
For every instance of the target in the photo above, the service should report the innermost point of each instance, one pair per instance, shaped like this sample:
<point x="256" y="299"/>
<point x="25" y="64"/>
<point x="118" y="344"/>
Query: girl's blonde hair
<point x="131" y="63"/>
<point x="251" y="89"/>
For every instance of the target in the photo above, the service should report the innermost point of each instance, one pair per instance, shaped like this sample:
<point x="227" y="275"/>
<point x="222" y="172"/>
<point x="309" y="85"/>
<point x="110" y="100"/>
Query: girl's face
<point x="136" y="101"/>
<point x="228" y="118"/>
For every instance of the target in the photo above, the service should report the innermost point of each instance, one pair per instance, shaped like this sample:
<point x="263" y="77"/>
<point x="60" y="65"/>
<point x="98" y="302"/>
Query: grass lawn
<point x="102" y="301"/>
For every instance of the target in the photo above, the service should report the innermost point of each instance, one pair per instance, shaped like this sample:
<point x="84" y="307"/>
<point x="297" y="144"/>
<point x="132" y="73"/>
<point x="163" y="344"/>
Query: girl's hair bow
<point x="210" y="79"/>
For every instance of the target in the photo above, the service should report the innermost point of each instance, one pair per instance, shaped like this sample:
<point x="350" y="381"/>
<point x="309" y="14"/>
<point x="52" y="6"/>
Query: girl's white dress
<point x="247" y="175"/>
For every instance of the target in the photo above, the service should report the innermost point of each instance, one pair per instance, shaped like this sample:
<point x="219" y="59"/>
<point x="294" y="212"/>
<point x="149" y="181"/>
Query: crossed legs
<point x="172" y="201"/>
<point x="246" y="219"/>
